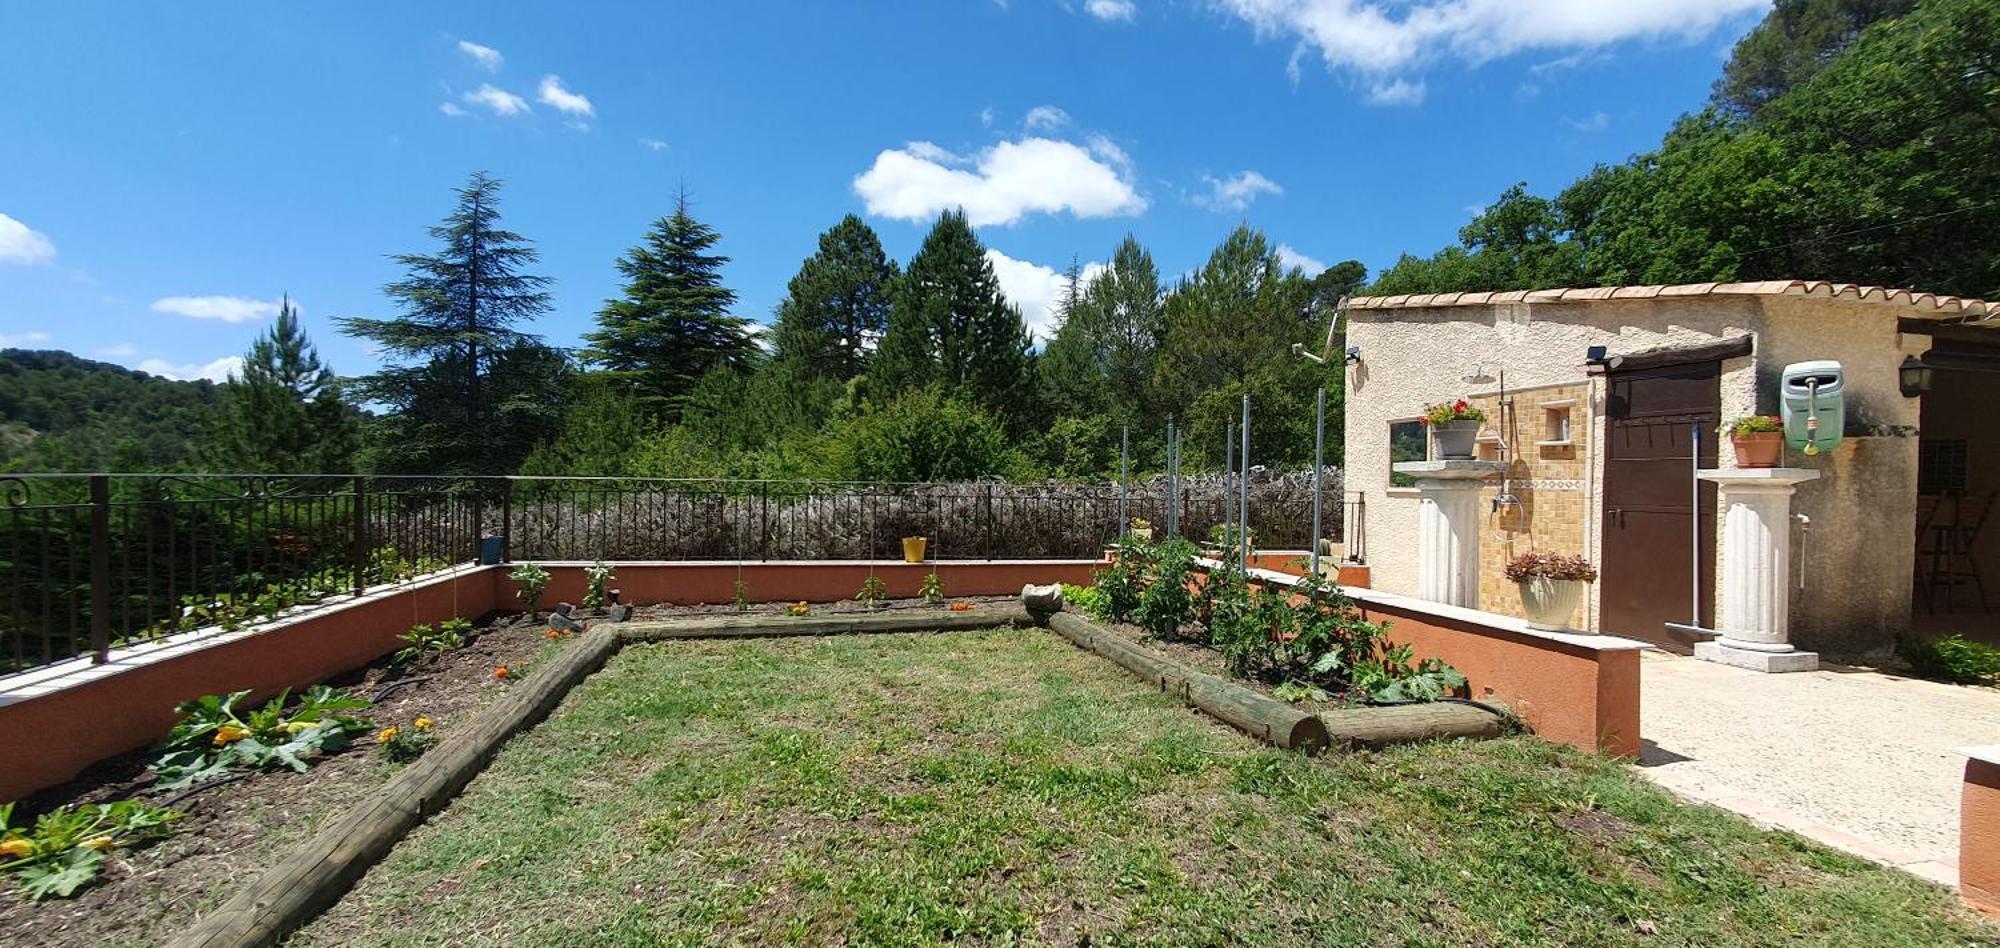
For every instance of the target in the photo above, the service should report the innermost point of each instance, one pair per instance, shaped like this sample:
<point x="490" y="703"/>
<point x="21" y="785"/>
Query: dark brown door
<point x="1648" y="576"/>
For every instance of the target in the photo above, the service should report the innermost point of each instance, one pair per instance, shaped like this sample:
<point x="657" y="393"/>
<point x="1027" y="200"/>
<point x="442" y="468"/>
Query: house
<point x="1889" y="532"/>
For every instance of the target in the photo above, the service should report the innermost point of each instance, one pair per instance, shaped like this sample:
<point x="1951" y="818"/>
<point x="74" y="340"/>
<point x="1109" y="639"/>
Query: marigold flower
<point x="387" y="734"/>
<point x="99" y="843"/>
<point x="501" y="672"/>
<point x="553" y="634"/>
<point x="229" y="734"/>
<point x="16" y="848"/>
<point x="423" y="724"/>
<point x="961" y="606"/>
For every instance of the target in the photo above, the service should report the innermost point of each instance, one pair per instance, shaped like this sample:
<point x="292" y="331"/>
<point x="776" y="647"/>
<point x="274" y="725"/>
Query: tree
<point x="951" y="326"/>
<point x="1792" y="44"/>
<point x="673" y="325"/>
<point x="282" y="414"/>
<point x="838" y="303"/>
<point x="1103" y="350"/>
<point x="465" y="392"/>
<point x="923" y="435"/>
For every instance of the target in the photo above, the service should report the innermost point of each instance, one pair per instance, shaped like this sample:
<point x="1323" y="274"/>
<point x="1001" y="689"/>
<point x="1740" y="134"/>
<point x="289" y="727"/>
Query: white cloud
<point x="1292" y="258"/>
<point x="552" y="93"/>
<point x="1045" y="117"/>
<point x="1111" y="9"/>
<point x="487" y="57"/>
<point x="29" y="338"/>
<point x="1003" y="183"/>
<point x="451" y="109"/>
<point x="1236" y="192"/>
<point x="499" y="101"/>
<point x="120" y="351"/>
<point x="986" y="116"/>
<point x="1381" y="42"/>
<point x="1595" y="122"/>
<point x="22" y="244"/>
<point x="218" y="371"/>
<point x="229" y="309"/>
<point x="1396" y="92"/>
<point x="652" y="144"/>
<point x="1035" y="289"/>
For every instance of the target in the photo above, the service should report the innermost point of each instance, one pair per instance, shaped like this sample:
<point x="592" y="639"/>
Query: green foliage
<point x="466" y="392"/>
<point x="1952" y="658"/>
<point x="1091" y="600"/>
<point x="1792" y="45"/>
<point x="65" y="848"/>
<point x="920" y="436"/>
<point x="283" y="413"/>
<point x="424" y="641"/>
<point x="837" y="303"/>
<point x="673" y="324"/>
<point x="931" y="589"/>
<point x="1124" y="581"/>
<point x="65" y="413"/>
<point x="741" y="599"/>
<point x="873" y="592"/>
<point x="602" y="434"/>
<point x="400" y="744"/>
<point x="1167" y="603"/>
<point x="213" y="737"/>
<point x="596" y="578"/>
<point x="532" y="580"/>
<point x="951" y="326"/>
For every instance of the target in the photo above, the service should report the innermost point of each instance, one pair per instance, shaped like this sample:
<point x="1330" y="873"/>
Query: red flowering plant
<point x="1555" y="566"/>
<point x="1445" y="413"/>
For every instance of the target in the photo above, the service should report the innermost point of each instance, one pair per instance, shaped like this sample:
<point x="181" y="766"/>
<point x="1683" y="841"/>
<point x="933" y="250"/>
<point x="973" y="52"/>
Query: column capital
<point x="1759" y="479"/>
<point x="1448" y="474"/>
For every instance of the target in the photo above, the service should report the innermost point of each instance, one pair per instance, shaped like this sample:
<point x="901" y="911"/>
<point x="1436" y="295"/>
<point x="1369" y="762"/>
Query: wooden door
<point x="1648" y="575"/>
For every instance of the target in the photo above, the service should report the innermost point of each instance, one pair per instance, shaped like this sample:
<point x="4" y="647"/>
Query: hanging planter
<point x="1454" y="427"/>
<point x="1759" y="440"/>
<point x="1552" y="586"/>
<point x="913" y="549"/>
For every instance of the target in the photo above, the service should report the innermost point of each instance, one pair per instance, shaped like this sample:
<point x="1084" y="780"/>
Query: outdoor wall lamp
<point x="1596" y="355"/>
<point x="1913" y="376"/>
<point x="1353" y="355"/>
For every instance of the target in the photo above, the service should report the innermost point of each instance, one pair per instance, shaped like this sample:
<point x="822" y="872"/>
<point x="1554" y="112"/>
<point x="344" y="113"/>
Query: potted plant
<point x="1759" y="440"/>
<point x="1142" y="529"/>
<point x="913" y="549"/>
<point x="1551" y="587"/>
<point x="1453" y="426"/>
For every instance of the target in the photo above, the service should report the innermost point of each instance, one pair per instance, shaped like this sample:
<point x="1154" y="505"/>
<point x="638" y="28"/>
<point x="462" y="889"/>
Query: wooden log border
<point x="319" y="871"/>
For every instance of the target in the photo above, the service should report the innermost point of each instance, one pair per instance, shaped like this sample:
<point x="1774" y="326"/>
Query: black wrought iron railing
<point x="89" y="562"/>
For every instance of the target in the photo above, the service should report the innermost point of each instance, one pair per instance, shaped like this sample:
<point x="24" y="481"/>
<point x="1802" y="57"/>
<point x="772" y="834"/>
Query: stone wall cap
<point x="1759" y="475"/>
<point x="1447" y="470"/>
<point x="1989" y="753"/>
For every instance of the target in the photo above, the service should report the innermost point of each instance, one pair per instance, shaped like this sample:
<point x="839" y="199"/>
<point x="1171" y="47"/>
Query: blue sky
<point x="167" y="171"/>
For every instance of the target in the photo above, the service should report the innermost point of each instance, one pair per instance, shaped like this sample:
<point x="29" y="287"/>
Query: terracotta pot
<point x="913" y="549"/>
<point x="1453" y="440"/>
<point x="1550" y="602"/>
<point x="1758" y="448"/>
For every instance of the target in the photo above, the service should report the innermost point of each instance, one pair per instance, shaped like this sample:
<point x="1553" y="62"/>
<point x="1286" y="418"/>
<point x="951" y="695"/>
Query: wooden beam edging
<point x="316" y="873"/>
<point x="1257" y="715"/>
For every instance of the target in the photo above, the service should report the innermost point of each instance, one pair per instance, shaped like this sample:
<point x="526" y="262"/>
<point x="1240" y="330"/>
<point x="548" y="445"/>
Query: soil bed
<point x="1202" y="658"/>
<point x="232" y="831"/>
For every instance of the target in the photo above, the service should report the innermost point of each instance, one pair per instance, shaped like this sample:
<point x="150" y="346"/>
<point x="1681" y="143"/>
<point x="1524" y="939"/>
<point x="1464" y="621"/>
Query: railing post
<point x="100" y="568"/>
<point x="764" y="520"/>
<point x="360" y="536"/>
<point x="989" y="520"/>
<point x="506" y="520"/>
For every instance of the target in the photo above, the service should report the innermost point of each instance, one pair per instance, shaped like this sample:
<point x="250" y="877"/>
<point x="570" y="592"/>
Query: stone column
<point x="1448" y="528"/>
<point x="1754" y="615"/>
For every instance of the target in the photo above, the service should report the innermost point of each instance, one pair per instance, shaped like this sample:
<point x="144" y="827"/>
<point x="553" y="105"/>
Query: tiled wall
<point x="1547" y="477"/>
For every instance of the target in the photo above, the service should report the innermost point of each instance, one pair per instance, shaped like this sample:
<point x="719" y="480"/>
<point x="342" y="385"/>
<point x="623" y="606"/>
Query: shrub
<point x="65" y="849"/>
<point x="533" y="580"/>
<point x="1555" y="566"/>
<point x="921" y="435"/>
<point x="1952" y="658"/>
<point x="1166" y="605"/>
<point x="212" y="738"/>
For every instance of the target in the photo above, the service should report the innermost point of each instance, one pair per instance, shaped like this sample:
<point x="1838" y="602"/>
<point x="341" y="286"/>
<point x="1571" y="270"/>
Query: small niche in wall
<point x="1558" y="432"/>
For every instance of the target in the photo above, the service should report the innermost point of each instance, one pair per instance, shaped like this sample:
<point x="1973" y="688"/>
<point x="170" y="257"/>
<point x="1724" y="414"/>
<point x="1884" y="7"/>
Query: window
<point x="1407" y="442"/>
<point x="1941" y="466"/>
<point x="1555" y="424"/>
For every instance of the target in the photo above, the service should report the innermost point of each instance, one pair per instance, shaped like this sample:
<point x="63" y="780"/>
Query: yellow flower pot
<point x="913" y="549"/>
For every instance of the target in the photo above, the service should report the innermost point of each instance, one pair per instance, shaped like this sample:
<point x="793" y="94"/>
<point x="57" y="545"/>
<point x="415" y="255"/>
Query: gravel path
<point x="1854" y="758"/>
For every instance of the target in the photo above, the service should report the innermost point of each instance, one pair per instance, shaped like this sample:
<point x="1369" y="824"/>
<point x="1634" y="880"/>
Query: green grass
<point x="1003" y="787"/>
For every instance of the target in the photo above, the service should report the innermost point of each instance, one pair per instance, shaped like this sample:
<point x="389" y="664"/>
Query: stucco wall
<point x="1413" y="357"/>
<point x="1863" y="507"/>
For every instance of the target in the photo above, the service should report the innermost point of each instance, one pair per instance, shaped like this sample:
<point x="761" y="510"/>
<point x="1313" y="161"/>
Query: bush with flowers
<point x="214" y="737"/>
<point x="1445" y="413"/>
<point x="401" y="744"/>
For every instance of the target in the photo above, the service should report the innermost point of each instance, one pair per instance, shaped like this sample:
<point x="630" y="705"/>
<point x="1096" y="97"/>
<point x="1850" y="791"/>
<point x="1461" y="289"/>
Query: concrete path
<point x="1856" y="759"/>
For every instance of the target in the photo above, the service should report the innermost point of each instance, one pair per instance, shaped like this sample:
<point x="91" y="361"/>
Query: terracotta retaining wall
<point x="56" y="721"/>
<point x="1573" y="688"/>
<point x="1979" y="830"/>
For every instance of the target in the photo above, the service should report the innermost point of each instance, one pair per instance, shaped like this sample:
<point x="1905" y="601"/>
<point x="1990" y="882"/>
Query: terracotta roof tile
<point x="1920" y="304"/>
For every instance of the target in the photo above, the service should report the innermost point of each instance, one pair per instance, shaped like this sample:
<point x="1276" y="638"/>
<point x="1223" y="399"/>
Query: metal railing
<point x="88" y="562"/>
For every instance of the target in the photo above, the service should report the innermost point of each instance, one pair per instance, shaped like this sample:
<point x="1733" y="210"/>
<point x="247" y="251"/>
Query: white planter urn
<point x="1550" y="602"/>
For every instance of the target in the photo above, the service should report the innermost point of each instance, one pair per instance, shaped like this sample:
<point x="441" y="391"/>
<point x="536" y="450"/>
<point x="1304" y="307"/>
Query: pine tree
<point x="950" y="326"/>
<point x="1072" y="365"/>
<point x="838" y="304"/>
<point x="282" y="414"/>
<point x="673" y="325"/>
<point x="466" y="392"/>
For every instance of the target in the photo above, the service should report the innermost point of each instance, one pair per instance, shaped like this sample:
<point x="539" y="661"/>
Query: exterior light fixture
<point x="1353" y="355"/>
<point x="1596" y="355"/>
<point x="1913" y="376"/>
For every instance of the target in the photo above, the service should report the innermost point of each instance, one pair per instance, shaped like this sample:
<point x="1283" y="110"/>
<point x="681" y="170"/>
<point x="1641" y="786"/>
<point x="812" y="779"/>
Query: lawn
<point x="1004" y="787"/>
